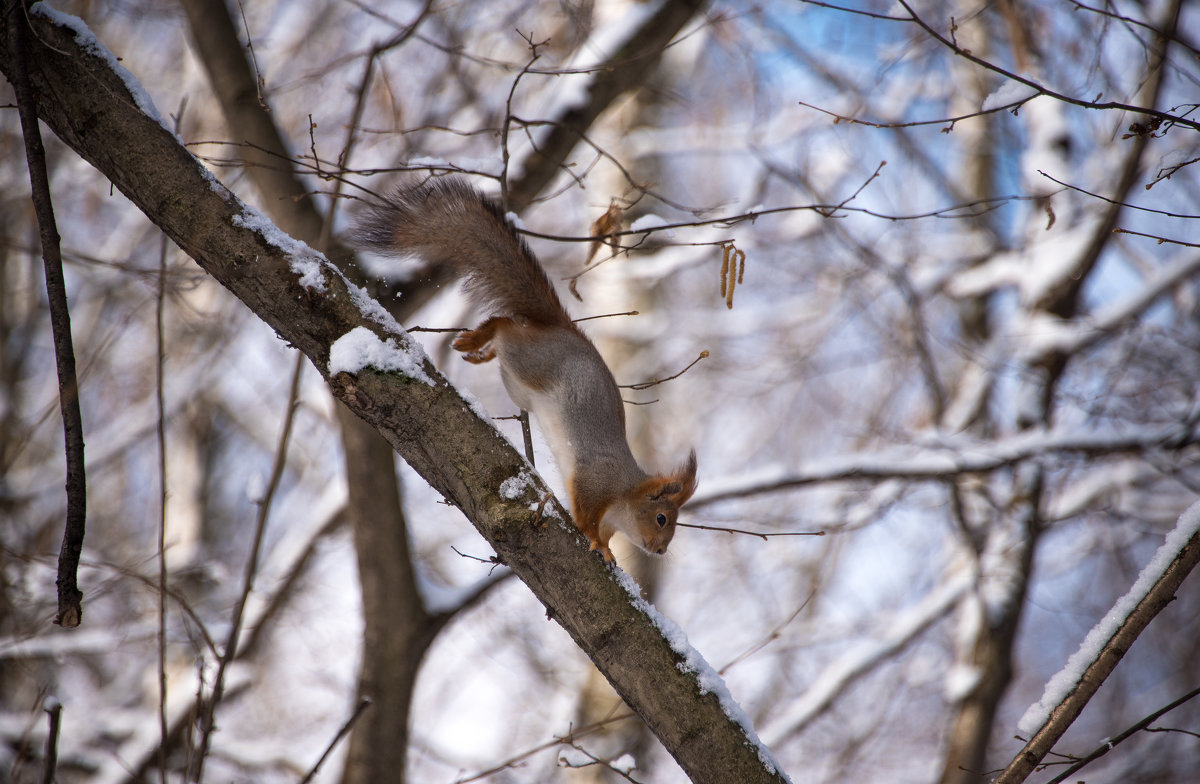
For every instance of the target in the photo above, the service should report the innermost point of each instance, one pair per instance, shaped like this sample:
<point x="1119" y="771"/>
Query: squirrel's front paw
<point x="603" y="548"/>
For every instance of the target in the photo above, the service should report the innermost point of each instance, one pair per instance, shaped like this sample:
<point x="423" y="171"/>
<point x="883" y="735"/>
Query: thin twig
<point x="512" y="762"/>
<point x="264" y="506"/>
<point x="1156" y="238"/>
<point x="1085" y="192"/>
<point x="534" y="56"/>
<point x="259" y="81"/>
<point x="971" y="209"/>
<point x="565" y="763"/>
<point x="759" y="534"/>
<point x="70" y="598"/>
<point x="50" y="760"/>
<point x="949" y="122"/>
<point x="655" y="382"/>
<point x="1148" y="111"/>
<point x="840" y="205"/>
<point x="363" y="704"/>
<point x="1111" y="743"/>
<point x="160" y="353"/>
<point x="607" y="315"/>
<point x="161" y="432"/>
<point x="360" y="103"/>
<point x="770" y="638"/>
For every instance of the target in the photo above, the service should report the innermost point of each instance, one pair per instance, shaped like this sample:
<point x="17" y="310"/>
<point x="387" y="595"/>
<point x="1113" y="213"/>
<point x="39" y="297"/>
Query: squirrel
<point x="548" y="366"/>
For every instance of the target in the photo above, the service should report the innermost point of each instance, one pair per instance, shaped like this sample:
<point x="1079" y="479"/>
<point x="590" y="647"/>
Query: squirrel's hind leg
<point x="476" y="344"/>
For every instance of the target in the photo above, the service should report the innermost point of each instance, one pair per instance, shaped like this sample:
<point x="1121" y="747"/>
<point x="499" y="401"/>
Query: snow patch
<point x="514" y="219"/>
<point x="88" y="41"/>
<point x="709" y="680"/>
<point x="1066" y="680"/>
<point x="361" y="348"/>
<point x="651" y="221"/>
<point x="624" y="764"/>
<point x="961" y="680"/>
<point x="515" y="486"/>
<point x="458" y="164"/>
<point x="1009" y="93"/>
<point x="303" y="260"/>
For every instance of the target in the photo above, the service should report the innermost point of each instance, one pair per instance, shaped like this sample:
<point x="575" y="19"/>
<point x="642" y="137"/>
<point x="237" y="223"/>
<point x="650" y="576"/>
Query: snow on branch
<point x="1069" y="691"/>
<point x="842" y="672"/>
<point x="947" y="458"/>
<point x="1068" y="337"/>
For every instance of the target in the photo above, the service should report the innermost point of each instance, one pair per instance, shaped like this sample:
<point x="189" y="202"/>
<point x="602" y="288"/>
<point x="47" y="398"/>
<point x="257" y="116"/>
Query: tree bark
<point x="94" y="110"/>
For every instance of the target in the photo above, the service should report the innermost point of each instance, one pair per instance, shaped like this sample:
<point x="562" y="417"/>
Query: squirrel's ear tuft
<point x="665" y="490"/>
<point x="685" y="478"/>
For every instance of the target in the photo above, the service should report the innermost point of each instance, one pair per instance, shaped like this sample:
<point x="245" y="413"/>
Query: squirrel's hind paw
<point x="475" y="345"/>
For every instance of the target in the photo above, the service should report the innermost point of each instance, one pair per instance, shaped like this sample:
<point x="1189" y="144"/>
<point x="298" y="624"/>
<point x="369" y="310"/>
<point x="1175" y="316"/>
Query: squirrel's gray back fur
<point x="449" y="222"/>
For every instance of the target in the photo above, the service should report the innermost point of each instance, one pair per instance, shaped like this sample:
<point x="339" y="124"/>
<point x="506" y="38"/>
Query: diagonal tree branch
<point x="1068" y="693"/>
<point x="93" y="106"/>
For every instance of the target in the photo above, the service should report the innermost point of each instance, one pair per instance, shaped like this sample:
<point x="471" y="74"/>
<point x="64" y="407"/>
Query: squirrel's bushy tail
<point x="449" y="222"/>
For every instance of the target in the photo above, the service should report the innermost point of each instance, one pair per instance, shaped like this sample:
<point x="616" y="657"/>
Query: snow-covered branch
<point x="842" y="672"/>
<point x="946" y="458"/>
<point x="1068" y="692"/>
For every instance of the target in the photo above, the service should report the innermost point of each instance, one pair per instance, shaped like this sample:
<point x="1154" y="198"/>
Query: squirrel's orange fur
<point x="548" y="365"/>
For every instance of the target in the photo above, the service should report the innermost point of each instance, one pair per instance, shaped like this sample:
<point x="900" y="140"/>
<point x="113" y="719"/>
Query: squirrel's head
<point x="655" y="506"/>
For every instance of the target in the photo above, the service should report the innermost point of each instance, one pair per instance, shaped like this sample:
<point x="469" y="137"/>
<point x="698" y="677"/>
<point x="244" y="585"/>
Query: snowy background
<point x="949" y="363"/>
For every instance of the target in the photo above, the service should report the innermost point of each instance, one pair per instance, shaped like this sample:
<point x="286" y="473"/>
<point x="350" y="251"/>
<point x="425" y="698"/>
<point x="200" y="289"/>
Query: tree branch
<point x="1148" y="111"/>
<point x="1108" y="643"/>
<point x="70" y="598"/>
<point x="952" y="457"/>
<point x="622" y="72"/>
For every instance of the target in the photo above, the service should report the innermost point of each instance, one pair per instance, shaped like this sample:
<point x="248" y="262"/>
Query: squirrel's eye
<point x="662" y="519"/>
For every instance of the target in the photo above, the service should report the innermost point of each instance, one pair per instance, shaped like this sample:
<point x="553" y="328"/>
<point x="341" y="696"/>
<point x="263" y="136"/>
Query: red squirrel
<point x="548" y="366"/>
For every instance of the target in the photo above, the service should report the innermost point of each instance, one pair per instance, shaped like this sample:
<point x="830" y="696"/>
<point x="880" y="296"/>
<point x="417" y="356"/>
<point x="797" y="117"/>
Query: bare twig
<point x="1148" y="111"/>
<point x="655" y="382"/>
<point x="971" y="209"/>
<point x="949" y="122"/>
<point x="70" y="598"/>
<point x="259" y="81"/>
<point x="607" y="315"/>
<point x="1159" y="239"/>
<point x="594" y="760"/>
<point x="759" y="534"/>
<point x="1111" y="743"/>
<point x="771" y="636"/>
<point x="516" y="760"/>
<point x="50" y="761"/>
<point x="352" y="129"/>
<point x="161" y="433"/>
<point x="1125" y="204"/>
<point x="1167" y="172"/>
<point x="363" y="704"/>
<point x="207" y="722"/>
<point x="534" y="56"/>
